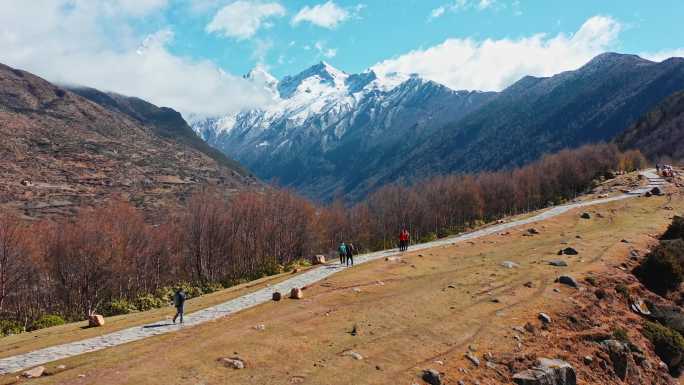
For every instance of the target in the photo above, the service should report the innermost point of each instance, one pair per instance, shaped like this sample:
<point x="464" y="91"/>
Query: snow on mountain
<point x="323" y="110"/>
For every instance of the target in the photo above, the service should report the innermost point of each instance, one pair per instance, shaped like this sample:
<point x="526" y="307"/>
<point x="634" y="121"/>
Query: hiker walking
<point x="658" y="168"/>
<point x="179" y="303"/>
<point x="342" y="250"/>
<point x="403" y="239"/>
<point x="350" y="253"/>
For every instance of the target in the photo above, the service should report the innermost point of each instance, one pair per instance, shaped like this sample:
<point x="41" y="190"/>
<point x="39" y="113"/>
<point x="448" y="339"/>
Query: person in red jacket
<point x="403" y="239"/>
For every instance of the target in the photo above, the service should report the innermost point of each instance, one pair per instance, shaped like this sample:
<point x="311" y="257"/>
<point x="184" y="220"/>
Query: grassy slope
<point x="406" y="323"/>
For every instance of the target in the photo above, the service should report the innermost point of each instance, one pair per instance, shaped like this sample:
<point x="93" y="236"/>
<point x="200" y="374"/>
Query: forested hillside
<point x="659" y="134"/>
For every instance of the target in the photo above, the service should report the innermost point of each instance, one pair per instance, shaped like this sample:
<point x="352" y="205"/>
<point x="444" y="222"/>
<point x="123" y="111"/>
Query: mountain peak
<point x="326" y="74"/>
<point x="613" y="58"/>
<point x="261" y="76"/>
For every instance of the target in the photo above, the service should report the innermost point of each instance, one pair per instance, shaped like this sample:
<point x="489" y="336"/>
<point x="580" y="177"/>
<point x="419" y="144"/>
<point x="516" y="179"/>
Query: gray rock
<point x="509" y="264"/>
<point x="232" y="362"/>
<point x="568" y="251"/>
<point x="532" y="231"/>
<point x="545" y="318"/>
<point x="558" y="263"/>
<point x="353" y="354"/>
<point x="432" y="377"/>
<point x="588" y="360"/>
<point x="585" y="216"/>
<point x="619" y="356"/>
<point x="473" y="359"/>
<point x="547" y="372"/>
<point x="35" y="372"/>
<point x="568" y="280"/>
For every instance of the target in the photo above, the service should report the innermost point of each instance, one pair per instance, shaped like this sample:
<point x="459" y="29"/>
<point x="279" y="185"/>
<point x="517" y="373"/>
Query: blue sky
<point x="190" y="54"/>
<point x="385" y="29"/>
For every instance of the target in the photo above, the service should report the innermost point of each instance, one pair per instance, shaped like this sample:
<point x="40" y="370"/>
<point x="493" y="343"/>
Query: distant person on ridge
<point x="404" y="239"/>
<point x="657" y="168"/>
<point x="342" y="250"/>
<point x="350" y="253"/>
<point x="179" y="303"/>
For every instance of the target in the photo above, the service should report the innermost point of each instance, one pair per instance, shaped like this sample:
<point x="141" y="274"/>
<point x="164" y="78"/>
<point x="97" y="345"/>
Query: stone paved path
<point x="42" y="356"/>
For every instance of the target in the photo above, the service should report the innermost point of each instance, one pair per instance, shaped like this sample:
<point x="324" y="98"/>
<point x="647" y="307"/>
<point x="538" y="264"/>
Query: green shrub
<point x="621" y="335"/>
<point x="9" y="327"/>
<point x="47" y="321"/>
<point x="166" y="293"/>
<point x="675" y="230"/>
<point x="297" y="263"/>
<point x="274" y="268"/>
<point x="209" y="288"/>
<point x="663" y="268"/>
<point x="668" y="345"/>
<point x="118" y="307"/>
<point x="622" y="290"/>
<point x="429" y="237"/>
<point x="145" y="302"/>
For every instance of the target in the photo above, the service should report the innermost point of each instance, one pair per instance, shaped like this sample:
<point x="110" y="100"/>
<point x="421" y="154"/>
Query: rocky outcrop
<point x="547" y="372"/>
<point x="619" y="354"/>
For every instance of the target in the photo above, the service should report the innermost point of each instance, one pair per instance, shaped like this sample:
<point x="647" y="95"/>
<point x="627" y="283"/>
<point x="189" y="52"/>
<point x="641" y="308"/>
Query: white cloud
<point x="663" y="55"/>
<point x="495" y="64"/>
<point x="242" y="19"/>
<point x="327" y="15"/>
<point x="141" y="7"/>
<point x="437" y="12"/>
<point x="464" y="5"/>
<point x="325" y="51"/>
<point x="89" y="43"/>
<point x="484" y="4"/>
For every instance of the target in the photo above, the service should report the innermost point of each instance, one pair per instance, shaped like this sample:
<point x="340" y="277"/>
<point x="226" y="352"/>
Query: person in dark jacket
<point x="351" y="250"/>
<point x="179" y="303"/>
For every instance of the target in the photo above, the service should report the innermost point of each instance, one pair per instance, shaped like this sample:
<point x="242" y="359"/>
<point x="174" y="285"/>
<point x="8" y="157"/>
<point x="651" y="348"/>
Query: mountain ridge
<point x="336" y="134"/>
<point x="62" y="152"/>
<point x="328" y="126"/>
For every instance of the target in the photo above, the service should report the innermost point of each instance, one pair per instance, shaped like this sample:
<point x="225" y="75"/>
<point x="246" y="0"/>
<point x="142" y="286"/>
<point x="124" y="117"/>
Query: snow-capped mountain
<point x="326" y="130"/>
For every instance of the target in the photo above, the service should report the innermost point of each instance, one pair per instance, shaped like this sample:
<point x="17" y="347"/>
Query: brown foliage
<point x="75" y="266"/>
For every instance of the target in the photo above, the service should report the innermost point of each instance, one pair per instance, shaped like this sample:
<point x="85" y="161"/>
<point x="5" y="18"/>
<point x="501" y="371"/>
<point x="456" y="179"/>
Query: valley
<point x="443" y="192"/>
<point x="425" y="309"/>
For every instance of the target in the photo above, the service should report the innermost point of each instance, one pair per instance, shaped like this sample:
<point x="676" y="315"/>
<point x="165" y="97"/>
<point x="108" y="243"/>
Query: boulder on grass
<point x="568" y="251"/>
<point x="509" y="264"/>
<point x="656" y="191"/>
<point x="568" y="280"/>
<point x="558" y="263"/>
<point x="277" y="296"/>
<point x="432" y="377"/>
<point x="232" y="362"/>
<point x="585" y="216"/>
<point x="96" y="320"/>
<point x="35" y="372"/>
<point x="319" y="260"/>
<point x="296" y="293"/>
